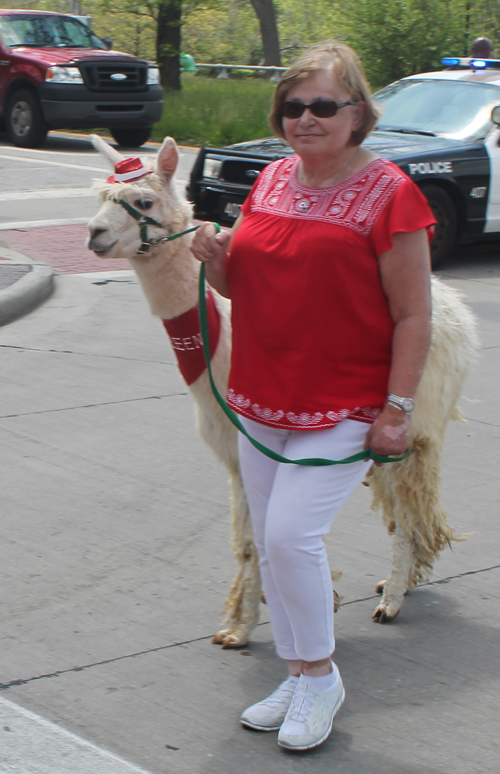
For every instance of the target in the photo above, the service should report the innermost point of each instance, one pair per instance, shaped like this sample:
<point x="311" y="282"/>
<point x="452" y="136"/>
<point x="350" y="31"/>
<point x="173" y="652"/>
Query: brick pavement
<point x="61" y="247"/>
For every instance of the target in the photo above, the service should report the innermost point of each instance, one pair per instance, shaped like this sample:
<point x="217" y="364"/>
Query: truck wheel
<point x="131" y="138"/>
<point x="446" y="227"/>
<point x="26" y="125"/>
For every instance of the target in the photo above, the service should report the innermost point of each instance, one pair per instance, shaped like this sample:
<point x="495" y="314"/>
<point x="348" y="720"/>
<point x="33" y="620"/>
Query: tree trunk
<point x="269" y="31"/>
<point x="168" y="43"/>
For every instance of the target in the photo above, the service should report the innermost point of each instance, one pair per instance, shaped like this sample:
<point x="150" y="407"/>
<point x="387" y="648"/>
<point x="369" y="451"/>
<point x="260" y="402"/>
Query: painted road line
<point x="50" y="193"/>
<point x="30" y="744"/>
<point x="81" y="136"/>
<point x="54" y="193"/>
<point x="104" y="170"/>
<point x="93" y="153"/>
<point x="42" y="223"/>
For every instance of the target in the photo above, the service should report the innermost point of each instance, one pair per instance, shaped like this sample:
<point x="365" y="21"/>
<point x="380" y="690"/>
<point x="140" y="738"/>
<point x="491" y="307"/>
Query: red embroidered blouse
<point x="312" y="332"/>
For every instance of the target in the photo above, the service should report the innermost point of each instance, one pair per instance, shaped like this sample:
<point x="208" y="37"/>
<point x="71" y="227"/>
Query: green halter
<point x="143" y="221"/>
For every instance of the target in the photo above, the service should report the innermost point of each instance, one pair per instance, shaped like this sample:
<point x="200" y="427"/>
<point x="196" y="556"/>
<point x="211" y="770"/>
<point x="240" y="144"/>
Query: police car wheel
<point x="445" y="213"/>
<point x="24" y="119"/>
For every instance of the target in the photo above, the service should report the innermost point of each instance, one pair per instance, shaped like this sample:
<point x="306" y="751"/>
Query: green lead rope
<point x="366" y="454"/>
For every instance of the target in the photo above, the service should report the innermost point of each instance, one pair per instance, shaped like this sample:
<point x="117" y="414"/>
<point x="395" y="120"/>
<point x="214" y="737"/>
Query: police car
<point x="441" y="128"/>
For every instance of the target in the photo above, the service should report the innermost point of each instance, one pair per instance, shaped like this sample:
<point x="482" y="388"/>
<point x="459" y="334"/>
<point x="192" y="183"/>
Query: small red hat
<point x="128" y="170"/>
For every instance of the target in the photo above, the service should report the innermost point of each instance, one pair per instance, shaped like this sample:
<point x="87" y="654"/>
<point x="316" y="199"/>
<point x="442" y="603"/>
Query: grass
<point x="216" y="112"/>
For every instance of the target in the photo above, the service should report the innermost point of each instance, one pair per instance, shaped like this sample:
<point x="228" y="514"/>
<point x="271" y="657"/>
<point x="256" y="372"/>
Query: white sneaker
<point x="309" y="719"/>
<point x="268" y="714"/>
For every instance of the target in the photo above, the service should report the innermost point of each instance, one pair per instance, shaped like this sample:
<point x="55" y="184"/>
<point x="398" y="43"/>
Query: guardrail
<point x="225" y="69"/>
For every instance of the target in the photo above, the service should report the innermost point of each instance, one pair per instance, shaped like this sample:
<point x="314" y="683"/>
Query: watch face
<point x="408" y="405"/>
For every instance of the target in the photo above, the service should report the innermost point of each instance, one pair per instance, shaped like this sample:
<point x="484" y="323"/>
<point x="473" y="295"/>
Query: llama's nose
<point x="96" y="232"/>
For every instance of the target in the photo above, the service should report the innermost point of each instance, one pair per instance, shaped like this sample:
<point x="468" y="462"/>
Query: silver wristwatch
<point x="404" y="404"/>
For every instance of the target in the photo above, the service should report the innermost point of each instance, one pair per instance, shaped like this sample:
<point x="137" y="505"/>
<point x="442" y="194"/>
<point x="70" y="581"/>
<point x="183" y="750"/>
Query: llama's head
<point x="115" y="232"/>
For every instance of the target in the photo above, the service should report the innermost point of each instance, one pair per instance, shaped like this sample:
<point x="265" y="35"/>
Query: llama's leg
<point x="383" y="500"/>
<point x="409" y="496"/>
<point x="396" y="585"/>
<point x="242" y="604"/>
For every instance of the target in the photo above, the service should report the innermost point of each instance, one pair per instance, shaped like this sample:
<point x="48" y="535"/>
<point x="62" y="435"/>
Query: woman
<point x="329" y="276"/>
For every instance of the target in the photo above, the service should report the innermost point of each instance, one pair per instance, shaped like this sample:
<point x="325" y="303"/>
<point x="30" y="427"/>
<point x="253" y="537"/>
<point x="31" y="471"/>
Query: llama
<point x="406" y="492"/>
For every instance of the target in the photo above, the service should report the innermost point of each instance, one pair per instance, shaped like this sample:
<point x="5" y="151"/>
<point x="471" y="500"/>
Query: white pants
<point x="292" y="508"/>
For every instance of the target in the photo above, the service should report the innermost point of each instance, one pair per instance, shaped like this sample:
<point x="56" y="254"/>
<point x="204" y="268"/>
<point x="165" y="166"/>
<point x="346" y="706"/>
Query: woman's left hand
<point x="390" y="433"/>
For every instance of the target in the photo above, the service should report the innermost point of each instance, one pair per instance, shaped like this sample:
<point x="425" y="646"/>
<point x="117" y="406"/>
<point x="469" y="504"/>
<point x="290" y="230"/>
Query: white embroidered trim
<point x="267" y="414"/>
<point x="337" y="416"/>
<point x="303" y="420"/>
<point x="239" y="401"/>
<point x="356" y="203"/>
<point x="371" y="413"/>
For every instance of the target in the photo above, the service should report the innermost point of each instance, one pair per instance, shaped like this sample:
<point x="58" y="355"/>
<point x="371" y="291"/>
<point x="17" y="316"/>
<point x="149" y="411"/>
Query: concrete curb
<point x="27" y="293"/>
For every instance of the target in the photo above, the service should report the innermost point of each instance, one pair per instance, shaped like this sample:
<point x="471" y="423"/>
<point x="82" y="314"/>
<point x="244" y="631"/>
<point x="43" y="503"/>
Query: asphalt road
<point x="52" y="185"/>
<point x="116" y="554"/>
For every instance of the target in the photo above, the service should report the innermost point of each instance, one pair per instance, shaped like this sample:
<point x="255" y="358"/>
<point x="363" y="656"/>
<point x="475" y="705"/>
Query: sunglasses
<point x="322" y="109"/>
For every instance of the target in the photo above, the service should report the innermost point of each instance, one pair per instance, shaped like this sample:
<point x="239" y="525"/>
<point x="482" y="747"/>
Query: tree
<point x="168" y="43"/>
<point x="269" y="30"/>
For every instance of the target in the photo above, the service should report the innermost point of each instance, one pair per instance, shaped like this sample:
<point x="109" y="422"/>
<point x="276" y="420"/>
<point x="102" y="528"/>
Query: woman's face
<point x="311" y="136"/>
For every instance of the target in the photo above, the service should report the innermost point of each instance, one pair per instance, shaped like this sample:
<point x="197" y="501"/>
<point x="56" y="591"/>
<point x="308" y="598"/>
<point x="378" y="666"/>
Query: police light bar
<point x="474" y="63"/>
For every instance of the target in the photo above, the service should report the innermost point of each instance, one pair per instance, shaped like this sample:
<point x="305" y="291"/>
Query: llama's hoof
<point x="231" y="638"/>
<point x="385" y="612"/>
<point x="337" y="601"/>
<point x="379" y="588"/>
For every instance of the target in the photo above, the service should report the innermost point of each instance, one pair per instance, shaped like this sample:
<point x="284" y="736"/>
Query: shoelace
<point x="301" y="705"/>
<point x="284" y="691"/>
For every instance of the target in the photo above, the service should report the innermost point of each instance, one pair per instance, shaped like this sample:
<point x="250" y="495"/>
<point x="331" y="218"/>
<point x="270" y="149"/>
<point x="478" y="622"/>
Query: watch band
<point x="403" y="404"/>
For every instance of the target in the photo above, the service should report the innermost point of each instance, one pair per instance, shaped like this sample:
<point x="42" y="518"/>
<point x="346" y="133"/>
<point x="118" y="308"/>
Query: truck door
<point x="4" y="73"/>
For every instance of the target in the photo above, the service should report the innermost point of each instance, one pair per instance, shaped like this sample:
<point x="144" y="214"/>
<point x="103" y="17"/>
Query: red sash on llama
<point x="185" y="335"/>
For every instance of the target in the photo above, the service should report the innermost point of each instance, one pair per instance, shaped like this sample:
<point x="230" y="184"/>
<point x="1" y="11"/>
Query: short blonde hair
<point x="342" y="63"/>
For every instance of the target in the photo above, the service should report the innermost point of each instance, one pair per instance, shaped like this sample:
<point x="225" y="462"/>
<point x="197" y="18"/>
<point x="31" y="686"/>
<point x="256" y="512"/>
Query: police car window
<point x="448" y="108"/>
<point x="46" y="32"/>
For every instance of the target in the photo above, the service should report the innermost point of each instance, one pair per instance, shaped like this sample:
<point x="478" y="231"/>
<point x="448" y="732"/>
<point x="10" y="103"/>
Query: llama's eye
<point x="143" y="204"/>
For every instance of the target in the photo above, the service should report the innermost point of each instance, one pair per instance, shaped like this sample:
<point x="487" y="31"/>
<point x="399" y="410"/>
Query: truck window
<point x="47" y="32"/>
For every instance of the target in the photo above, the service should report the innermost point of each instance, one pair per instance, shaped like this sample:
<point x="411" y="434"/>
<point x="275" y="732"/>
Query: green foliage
<point x="395" y="38"/>
<point x="132" y="26"/>
<point x="60" y="6"/>
<point x="229" y="34"/>
<point x="483" y="20"/>
<point x="304" y="23"/>
<point x="216" y="112"/>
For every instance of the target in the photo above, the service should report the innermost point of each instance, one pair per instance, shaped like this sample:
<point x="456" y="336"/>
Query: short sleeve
<point x="246" y="207"/>
<point x="407" y="211"/>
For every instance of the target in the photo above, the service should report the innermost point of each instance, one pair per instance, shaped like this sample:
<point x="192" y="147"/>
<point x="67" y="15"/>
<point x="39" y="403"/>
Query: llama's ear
<point x="167" y="159"/>
<point x="106" y="150"/>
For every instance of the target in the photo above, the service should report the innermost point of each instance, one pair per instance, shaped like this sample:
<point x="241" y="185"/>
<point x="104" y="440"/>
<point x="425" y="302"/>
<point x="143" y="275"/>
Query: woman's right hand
<point x="210" y="247"/>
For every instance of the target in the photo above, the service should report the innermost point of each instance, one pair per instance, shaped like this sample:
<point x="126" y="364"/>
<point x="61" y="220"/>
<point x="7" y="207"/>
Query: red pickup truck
<point x="55" y="73"/>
